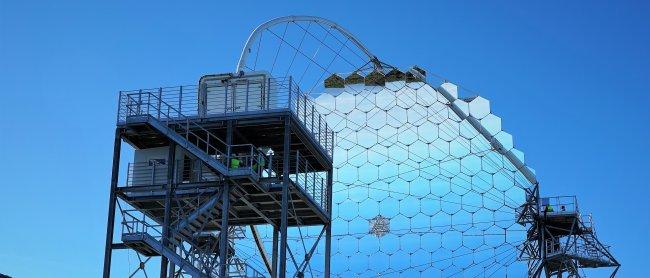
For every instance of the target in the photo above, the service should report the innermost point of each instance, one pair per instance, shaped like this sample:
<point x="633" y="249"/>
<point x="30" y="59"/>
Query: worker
<point x="234" y="163"/>
<point x="259" y="162"/>
<point x="549" y="208"/>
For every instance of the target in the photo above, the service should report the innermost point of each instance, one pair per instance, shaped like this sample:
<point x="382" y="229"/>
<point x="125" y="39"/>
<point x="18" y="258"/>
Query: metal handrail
<point x="579" y="248"/>
<point x="311" y="181"/>
<point x="196" y="256"/>
<point x="144" y="173"/>
<point x="242" y="95"/>
<point x="558" y="204"/>
<point x="305" y="111"/>
<point x="182" y="103"/>
<point x="146" y="103"/>
<point x="251" y="158"/>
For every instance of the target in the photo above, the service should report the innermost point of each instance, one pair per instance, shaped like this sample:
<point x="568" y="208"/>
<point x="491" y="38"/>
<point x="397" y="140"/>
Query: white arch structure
<point x="326" y="22"/>
<point x="241" y="65"/>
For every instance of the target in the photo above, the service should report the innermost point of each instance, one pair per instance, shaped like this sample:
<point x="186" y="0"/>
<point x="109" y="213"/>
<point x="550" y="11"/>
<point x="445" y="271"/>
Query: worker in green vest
<point x="234" y="163"/>
<point x="549" y="208"/>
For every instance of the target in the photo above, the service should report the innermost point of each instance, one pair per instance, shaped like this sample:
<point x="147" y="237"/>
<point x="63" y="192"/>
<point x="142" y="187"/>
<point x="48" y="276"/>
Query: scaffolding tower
<point x="214" y="159"/>
<point x="559" y="239"/>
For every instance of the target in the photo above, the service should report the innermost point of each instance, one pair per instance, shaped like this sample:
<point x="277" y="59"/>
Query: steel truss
<point x="560" y="242"/>
<point x="193" y="216"/>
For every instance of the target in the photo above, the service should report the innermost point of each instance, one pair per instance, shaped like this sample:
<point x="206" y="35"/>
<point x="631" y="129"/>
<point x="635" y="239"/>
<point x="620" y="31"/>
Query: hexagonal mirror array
<point x="418" y="190"/>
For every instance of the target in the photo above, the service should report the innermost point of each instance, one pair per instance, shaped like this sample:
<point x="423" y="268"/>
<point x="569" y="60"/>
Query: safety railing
<point x="136" y="223"/>
<point x="146" y="173"/>
<point x="144" y="103"/>
<point x="312" y="182"/>
<point x="559" y="205"/>
<point x="182" y="98"/>
<point x="234" y="157"/>
<point x="305" y="110"/>
<point x="581" y="248"/>
<point x="194" y="170"/>
<point x="244" y="158"/>
<point x="155" y="173"/>
<point x="587" y="223"/>
<point x="255" y="95"/>
<point x="249" y="159"/>
<point x="233" y="96"/>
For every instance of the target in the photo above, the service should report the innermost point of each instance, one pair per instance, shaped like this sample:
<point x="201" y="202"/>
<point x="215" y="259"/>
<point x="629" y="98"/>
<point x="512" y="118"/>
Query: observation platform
<point x="250" y="205"/>
<point x="255" y="103"/>
<point x="251" y="113"/>
<point x="562" y="216"/>
<point x="583" y="259"/>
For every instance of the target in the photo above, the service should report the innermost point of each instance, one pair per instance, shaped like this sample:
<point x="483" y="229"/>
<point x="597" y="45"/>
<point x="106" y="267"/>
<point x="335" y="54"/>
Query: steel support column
<point x="285" y="198"/>
<point x="172" y="267"/>
<point x="225" y="207"/>
<point x="171" y="159"/>
<point x="112" y="199"/>
<point x="223" y="235"/>
<point x="328" y="228"/>
<point x="274" y="258"/>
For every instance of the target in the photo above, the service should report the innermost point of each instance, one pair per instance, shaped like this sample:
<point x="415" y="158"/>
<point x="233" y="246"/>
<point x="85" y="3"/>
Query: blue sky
<point x="570" y="81"/>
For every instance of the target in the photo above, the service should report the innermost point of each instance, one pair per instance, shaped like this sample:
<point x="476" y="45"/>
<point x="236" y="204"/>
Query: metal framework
<point x="241" y="65"/>
<point x="213" y="161"/>
<point x="241" y="175"/>
<point x="560" y="240"/>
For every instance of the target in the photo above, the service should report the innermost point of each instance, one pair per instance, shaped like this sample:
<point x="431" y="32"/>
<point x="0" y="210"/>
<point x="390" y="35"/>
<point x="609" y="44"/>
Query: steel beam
<point x="328" y="228"/>
<point x="171" y="158"/>
<point x="257" y="211"/>
<point x="225" y="207"/>
<point x="285" y="198"/>
<point x="172" y="268"/>
<point x="223" y="235"/>
<point x="260" y="247"/>
<point x="112" y="199"/>
<point x="274" y="255"/>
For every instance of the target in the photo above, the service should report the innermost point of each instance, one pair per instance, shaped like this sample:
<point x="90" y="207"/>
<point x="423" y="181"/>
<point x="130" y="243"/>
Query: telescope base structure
<point x="560" y="242"/>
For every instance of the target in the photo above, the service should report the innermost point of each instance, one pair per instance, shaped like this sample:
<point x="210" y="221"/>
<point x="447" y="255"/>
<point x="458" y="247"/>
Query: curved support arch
<point x="253" y="36"/>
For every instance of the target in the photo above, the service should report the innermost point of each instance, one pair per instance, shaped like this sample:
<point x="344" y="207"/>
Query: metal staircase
<point x="195" y="252"/>
<point x="185" y="192"/>
<point x="146" y="238"/>
<point x="189" y="256"/>
<point x="200" y="217"/>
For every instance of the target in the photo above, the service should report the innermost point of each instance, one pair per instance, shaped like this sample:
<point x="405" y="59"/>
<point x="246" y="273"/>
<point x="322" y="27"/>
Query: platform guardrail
<point x="233" y="157"/>
<point x="273" y="94"/>
<point x="559" y="204"/>
<point x="312" y="182"/>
